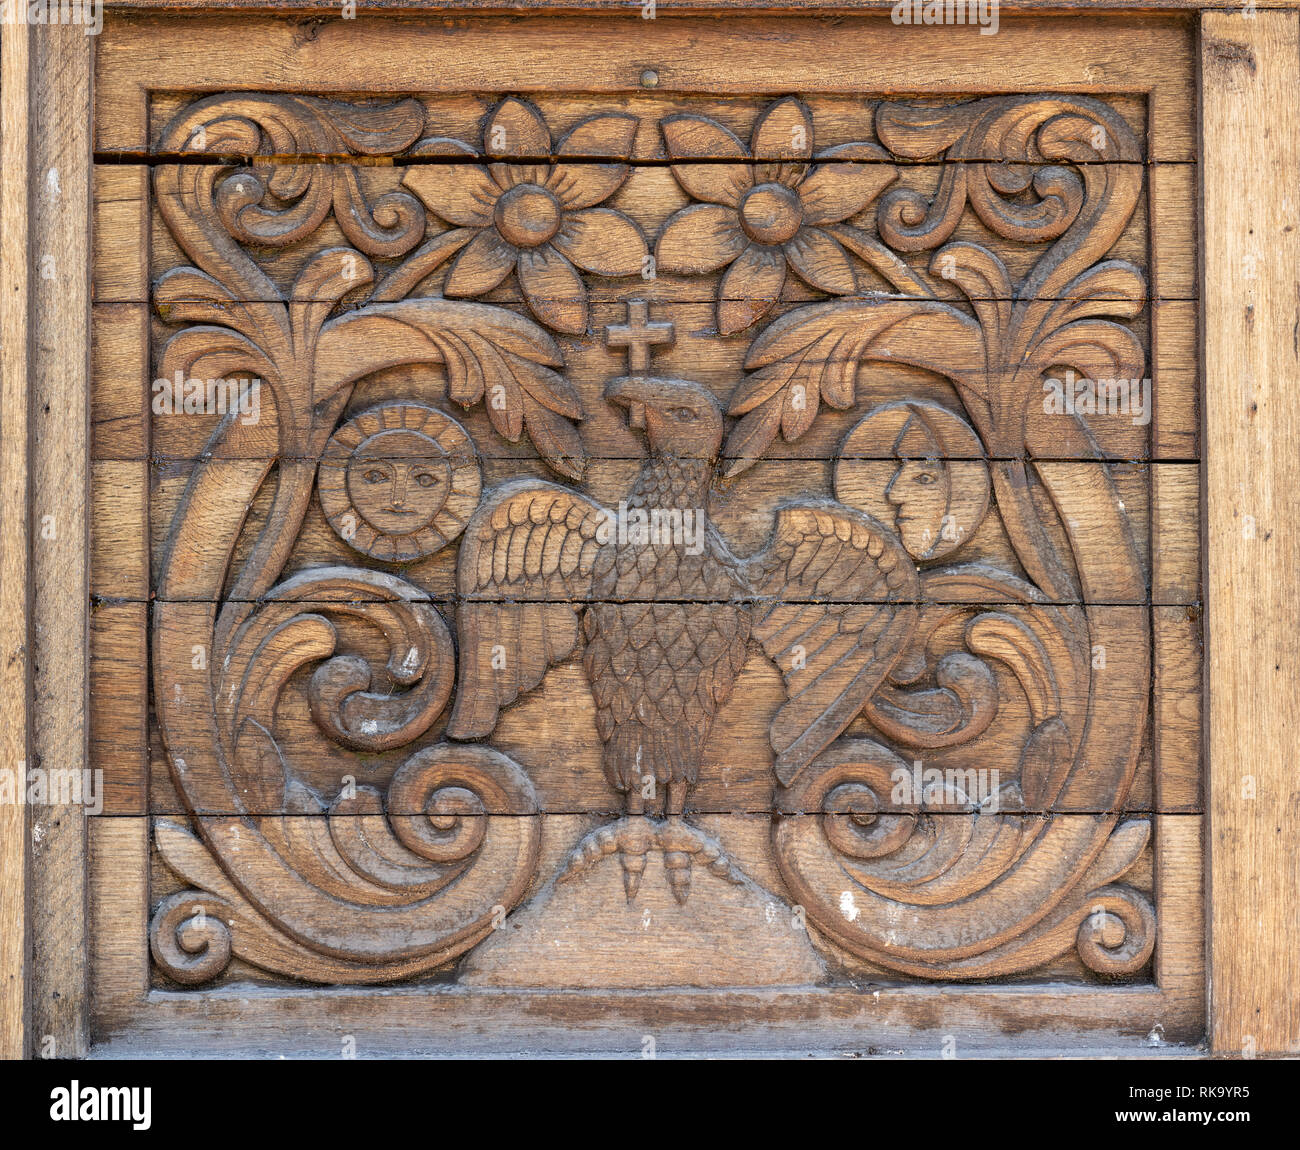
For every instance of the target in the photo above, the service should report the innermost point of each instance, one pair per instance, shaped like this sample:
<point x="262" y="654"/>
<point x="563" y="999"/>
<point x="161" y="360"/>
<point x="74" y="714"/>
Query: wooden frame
<point x="44" y="602"/>
<point x="1248" y="79"/>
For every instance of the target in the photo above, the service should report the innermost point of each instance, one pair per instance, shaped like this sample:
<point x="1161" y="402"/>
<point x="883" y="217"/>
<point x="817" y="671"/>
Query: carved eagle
<point x="666" y="621"/>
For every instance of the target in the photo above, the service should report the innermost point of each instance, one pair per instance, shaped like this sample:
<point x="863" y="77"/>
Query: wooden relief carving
<point x="890" y="640"/>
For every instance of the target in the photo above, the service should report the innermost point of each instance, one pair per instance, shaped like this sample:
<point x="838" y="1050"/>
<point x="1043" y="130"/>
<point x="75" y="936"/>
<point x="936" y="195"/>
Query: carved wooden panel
<point x="640" y="541"/>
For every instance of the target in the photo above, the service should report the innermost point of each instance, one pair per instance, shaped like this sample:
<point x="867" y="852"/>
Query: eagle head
<point x="680" y="418"/>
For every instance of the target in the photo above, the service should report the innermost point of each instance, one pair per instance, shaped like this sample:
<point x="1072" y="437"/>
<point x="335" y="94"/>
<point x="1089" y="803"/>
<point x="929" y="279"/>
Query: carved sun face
<point x="399" y="481"/>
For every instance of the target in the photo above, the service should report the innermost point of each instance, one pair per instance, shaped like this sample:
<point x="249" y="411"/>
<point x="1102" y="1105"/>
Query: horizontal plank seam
<point x="953" y="811"/>
<point x="672" y="281"/>
<point x="1113" y="461"/>
<point x="211" y="159"/>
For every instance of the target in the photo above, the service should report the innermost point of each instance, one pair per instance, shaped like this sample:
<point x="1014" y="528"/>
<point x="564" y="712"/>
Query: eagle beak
<point x="625" y="393"/>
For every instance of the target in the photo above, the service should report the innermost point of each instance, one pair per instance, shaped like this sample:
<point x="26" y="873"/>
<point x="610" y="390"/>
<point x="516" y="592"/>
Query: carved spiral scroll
<point x="189" y="936"/>
<point x="1118" y="931"/>
<point x="1023" y="196"/>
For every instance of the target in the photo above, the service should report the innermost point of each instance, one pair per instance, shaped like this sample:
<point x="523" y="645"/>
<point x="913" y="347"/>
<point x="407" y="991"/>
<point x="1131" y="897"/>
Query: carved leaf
<point x="482" y="347"/>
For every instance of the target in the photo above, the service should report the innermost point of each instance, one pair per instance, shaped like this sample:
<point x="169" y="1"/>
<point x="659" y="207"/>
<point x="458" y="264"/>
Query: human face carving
<point x="920" y="491"/>
<point x="398" y="481"/>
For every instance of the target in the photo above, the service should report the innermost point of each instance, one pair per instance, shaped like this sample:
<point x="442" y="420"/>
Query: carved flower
<point x="532" y="217"/>
<point x="759" y="217"/>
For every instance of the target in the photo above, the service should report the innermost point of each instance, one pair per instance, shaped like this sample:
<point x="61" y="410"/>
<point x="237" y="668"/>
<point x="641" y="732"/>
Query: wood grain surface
<point x="61" y="592"/>
<point x="1252" y="421"/>
<point x="16" y="717"/>
<point x="502" y="755"/>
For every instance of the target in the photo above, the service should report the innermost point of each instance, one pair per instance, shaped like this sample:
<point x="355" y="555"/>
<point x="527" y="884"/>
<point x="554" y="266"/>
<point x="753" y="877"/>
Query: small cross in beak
<point x="636" y="416"/>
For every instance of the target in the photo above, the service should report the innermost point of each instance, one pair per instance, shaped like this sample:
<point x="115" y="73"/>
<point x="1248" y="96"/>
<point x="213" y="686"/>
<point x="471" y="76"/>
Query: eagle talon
<point x="634" y="837"/>
<point x="677" y="868"/>
<point x="633" y="872"/>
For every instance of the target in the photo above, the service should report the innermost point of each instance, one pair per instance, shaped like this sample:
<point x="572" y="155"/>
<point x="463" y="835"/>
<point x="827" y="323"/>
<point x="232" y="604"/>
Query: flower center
<point x="771" y="213"/>
<point x="527" y="215"/>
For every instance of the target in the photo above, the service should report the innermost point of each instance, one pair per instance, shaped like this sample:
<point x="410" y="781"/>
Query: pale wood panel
<point x="1176" y="533"/>
<point x="118" y="715"/>
<point x="1251" y="86"/>
<point x="17" y="76"/>
<point x="1176" y="375"/>
<point x="1176" y="708"/>
<point x="118" y="868"/>
<point x="121" y="254"/>
<point x="1128" y="53"/>
<point x="1101" y="1022"/>
<point x="1179" y="959"/>
<point x="119" y="533"/>
<point x="61" y="304"/>
<point x="1174" y="232"/>
<point x="1013" y="7"/>
<point x="119" y="384"/>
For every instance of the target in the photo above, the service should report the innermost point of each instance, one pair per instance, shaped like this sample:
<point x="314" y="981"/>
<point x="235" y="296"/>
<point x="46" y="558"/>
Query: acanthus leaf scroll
<point x="375" y="885"/>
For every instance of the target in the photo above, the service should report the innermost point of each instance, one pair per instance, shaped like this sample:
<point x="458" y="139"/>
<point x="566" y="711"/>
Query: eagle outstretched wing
<point x="837" y="605"/>
<point x="523" y="573"/>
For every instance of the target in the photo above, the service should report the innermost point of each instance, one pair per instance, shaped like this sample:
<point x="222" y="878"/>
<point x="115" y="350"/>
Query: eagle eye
<point x="684" y="414"/>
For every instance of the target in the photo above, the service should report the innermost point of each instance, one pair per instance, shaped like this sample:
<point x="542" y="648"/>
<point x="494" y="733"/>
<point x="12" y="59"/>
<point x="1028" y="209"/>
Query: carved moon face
<point x="399" y="481"/>
<point x="919" y="466"/>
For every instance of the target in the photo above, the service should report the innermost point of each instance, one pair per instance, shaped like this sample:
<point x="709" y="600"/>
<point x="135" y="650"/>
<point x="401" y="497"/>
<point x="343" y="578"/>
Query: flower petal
<point x="601" y="136"/>
<point x="443" y="146"/>
<point x="699" y="239"/>
<point x="819" y="259"/>
<point x="462" y="194"/>
<point x="509" y="175"/>
<point x="835" y="191"/>
<point x="784" y="132"/>
<point x="485" y="262"/>
<point x="602" y="241"/>
<point x="553" y="289"/>
<point x="751" y="288"/>
<point x="517" y="129"/>
<point x="689" y="137"/>
<point x="697" y="137"/>
<point x="585" y="185"/>
<point x="790" y="174"/>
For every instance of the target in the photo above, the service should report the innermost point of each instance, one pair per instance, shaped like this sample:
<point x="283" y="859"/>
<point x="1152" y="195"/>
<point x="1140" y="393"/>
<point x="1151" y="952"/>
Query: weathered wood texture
<point x="16" y="80"/>
<point x="60" y="474"/>
<point x="558" y="719"/>
<point x="548" y="7"/>
<point x="44" y="549"/>
<point x="437" y="1016"/>
<point x="1251" y="86"/>
<point x="650" y="196"/>
<point x="913" y="560"/>
<point x="1125" y="53"/>
<point x="125" y="428"/>
<point x="1160" y="499"/>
